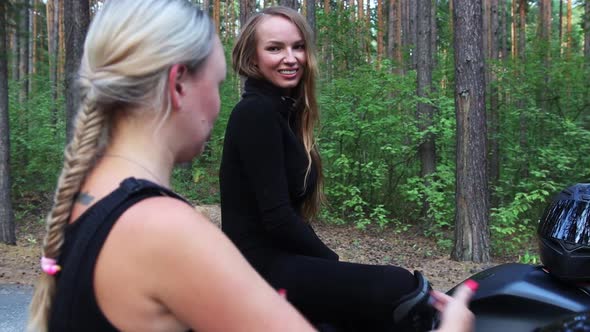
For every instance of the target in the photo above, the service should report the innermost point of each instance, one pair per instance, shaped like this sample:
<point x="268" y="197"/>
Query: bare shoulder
<point x="164" y="228"/>
<point x="164" y="214"/>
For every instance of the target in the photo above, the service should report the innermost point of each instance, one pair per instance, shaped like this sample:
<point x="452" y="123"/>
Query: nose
<point x="289" y="57"/>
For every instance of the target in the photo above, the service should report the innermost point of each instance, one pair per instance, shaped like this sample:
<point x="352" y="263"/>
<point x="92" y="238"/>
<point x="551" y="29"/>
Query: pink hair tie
<point x="49" y="266"/>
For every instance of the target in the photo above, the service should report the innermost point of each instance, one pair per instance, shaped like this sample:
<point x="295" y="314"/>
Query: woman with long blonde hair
<point x="122" y="250"/>
<point x="271" y="181"/>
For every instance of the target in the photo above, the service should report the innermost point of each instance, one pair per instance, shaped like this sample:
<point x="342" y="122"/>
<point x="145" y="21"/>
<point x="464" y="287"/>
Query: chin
<point x="288" y="85"/>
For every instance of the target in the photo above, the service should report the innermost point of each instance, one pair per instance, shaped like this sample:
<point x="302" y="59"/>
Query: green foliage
<point x="529" y="258"/>
<point x="369" y="137"/>
<point x="37" y="137"/>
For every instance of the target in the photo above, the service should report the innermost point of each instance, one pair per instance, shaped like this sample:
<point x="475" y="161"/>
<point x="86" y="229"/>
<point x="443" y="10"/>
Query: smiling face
<point x="280" y="52"/>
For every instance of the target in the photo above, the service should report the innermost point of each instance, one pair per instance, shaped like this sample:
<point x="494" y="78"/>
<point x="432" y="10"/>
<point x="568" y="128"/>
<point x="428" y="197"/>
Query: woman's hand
<point x="456" y="316"/>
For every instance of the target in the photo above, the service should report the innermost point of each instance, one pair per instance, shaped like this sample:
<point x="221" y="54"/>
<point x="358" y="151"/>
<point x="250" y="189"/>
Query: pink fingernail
<point x="472" y="284"/>
<point x="283" y="292"/>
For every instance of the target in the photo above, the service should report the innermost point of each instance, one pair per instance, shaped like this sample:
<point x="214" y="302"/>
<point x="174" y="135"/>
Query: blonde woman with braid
<point x="123" y="251"/>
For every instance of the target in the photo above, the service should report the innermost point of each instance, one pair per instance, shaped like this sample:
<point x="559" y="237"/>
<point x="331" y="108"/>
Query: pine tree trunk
<point x="471" y="220"/>
<point x="16" y="40"/>
<point x="503" y="17"/>
<point x="367" y="35"/>
<point x="217" y="14"/>
<point x="380" y="26"/>
<point x="486" y="28"/>
<point x="246" y="10"/>
<point x="451" y="17"/>
<point x="412" y="34"/>
<point x="568" y="44"/>
<point x="7" y="230"/>
<point x="31" y="39"/>
<point x="514" y="30"/>
<point x="398" y="46"/>
<point x="24" y="53"/>
<point x="390" y="29"/>
<point x="52" y="45"/>
<point x="433" y="32"/>
<point x="35" y="19"/>
<point x="425" y="112"/>
<point x="61" y="43"/>
<point x="310" y="15"/>
<point x="522" y="30"/>
<point x="76" y="21"/>
<point x="560" y="30"/>
<point x="587" y="32"/>
<point x="289" y="3"/>
<point x="520" y="103"/>
<point x="494" y="98"/>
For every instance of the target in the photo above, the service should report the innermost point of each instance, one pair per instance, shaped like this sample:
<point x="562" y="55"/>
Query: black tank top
<point x="75" y="307"/>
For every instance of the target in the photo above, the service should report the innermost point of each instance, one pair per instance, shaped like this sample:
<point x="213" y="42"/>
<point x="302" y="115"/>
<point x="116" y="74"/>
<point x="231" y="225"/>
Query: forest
<point x="456" y="118"/>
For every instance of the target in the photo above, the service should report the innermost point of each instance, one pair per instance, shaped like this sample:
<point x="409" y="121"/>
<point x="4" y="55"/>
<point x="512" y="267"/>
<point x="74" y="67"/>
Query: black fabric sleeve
<point x="259" y="140"/>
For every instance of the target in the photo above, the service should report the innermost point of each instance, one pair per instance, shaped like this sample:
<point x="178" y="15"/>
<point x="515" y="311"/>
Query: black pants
<point x="349" y="296"/>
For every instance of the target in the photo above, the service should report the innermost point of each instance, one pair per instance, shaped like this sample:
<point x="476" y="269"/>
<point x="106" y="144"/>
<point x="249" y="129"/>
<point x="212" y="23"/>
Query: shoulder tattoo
<point x="85" y="198"/>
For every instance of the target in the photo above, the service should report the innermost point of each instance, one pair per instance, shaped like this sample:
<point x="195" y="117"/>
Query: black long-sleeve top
<point x="262" y="176"/>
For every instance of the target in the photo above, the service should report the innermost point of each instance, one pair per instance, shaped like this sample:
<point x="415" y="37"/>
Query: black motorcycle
<point x="521" y="297"/>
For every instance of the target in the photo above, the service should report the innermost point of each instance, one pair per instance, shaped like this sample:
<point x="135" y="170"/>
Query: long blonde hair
<point x="243" y="56"/>
<point x="129" y="49"/>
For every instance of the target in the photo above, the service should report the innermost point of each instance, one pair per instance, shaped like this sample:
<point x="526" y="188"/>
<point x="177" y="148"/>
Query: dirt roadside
<point x="20" y="264"/>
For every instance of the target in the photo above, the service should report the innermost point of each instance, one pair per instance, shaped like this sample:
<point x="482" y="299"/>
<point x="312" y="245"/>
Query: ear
<point x="176" y="86"/>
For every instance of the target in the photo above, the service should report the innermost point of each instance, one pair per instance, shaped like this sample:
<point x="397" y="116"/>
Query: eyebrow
<point x="282" y="43"/>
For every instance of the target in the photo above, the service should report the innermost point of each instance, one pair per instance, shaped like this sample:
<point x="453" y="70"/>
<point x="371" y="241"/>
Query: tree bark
<point x="486" y="27"/>
<point x="310" y="15"/>
<point x="246" y="9"/>
<point x="31" y="39"/>
<point x="391" y="21"/>
<point x="568" y="38"/>
<point x="16" y="39"/>
<point x="7" y="229"/>
<point x="494" y="98"/>
<point x="52" y="45"/>
<point x="35" y="19"/>
<point x="451" y="17"/>
<point x="587" y="32"/>
<point x="522" y="30"/>
<point x="380" y="29"/>
<point x="24" y="53"/>
<point x="560" y="30"/>
<point x="433" y="32"/>
<point x="290" y="3"/>
<point x="514" y="30"/>
<point x="503" y="18"/>
<point x="412" y="35"/>
<point x="425" y="112"/>
<point x="472" y="211"/>
<point x="76" y="21"/>
<point x="61" y="43"/>
<point x="520" y="103"/>
<point x="545" y="22"/>
<point x="217" y="14"/>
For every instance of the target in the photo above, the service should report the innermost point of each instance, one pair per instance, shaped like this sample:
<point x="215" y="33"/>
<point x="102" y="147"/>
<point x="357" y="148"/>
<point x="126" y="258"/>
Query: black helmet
<point x="564" y="234"/>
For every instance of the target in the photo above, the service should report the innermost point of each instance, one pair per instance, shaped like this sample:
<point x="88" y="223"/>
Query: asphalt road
<point x="14" y="301"/>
